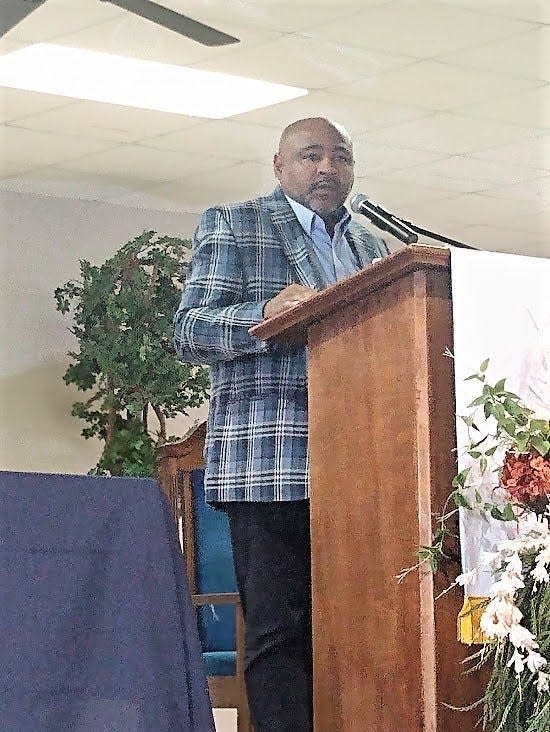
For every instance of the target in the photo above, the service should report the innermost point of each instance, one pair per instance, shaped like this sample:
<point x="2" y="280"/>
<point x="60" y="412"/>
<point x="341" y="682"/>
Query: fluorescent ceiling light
<point x="102" y="77"/>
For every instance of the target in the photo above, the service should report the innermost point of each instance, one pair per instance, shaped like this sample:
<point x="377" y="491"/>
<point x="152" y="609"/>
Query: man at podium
<point x="251" y="261"/>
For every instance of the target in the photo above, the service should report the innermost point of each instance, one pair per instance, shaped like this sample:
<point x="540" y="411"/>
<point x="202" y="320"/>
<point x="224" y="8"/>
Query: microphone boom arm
<point x="438" y="237"/>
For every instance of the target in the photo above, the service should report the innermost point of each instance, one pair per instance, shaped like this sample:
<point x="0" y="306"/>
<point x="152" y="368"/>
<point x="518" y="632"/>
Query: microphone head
<point x="357" y="201"/>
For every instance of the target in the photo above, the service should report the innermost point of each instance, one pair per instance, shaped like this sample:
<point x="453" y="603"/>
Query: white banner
<point x="501" y="311"/>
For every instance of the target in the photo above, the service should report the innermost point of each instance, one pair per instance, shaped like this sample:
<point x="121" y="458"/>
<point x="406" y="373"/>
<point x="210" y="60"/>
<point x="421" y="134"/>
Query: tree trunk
<point x="162" y="422"/>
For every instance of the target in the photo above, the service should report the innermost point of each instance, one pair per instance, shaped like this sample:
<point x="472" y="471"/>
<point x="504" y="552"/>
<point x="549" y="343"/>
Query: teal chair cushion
<point x="220" y="663"/>
<point x="214" y="573"/>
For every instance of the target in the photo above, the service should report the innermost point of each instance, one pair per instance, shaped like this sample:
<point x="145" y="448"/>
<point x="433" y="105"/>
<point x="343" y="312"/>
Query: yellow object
<point x="468" y="630"/>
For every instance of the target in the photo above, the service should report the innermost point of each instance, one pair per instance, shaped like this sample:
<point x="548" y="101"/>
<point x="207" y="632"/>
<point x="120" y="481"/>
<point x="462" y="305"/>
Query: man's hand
<point x="289" y="297"/>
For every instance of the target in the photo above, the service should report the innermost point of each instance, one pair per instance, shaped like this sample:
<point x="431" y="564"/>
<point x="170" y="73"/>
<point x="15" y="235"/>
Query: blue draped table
<point x="97" y="630"/>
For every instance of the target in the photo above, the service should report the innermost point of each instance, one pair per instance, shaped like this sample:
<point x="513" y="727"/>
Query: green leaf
<point x="459" y="499"/>
<point x="541" y="445"/>
<point x="507" y="514"/>
<point x="509" y="426"/>
<point x="460" y="478"/>
<point x="522" y="440"/>
<point x="484" y="365"/>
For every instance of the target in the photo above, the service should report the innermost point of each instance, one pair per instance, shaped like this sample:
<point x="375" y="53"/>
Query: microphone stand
<point x="438" y="237"/>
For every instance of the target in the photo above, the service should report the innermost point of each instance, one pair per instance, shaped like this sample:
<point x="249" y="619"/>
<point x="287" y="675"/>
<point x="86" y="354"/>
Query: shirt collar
<point x="308" y="218"/>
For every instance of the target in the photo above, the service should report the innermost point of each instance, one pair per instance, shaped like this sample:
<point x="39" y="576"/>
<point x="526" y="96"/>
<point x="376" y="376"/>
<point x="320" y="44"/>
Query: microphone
<point x="382" y="219"/>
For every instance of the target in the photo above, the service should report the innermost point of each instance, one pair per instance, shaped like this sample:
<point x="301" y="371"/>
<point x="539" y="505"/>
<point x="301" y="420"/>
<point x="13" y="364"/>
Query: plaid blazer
<point x="243" y="255"/>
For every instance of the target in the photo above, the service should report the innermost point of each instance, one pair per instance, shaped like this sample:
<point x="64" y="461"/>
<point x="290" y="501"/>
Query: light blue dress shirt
<point x="335" y="255"/>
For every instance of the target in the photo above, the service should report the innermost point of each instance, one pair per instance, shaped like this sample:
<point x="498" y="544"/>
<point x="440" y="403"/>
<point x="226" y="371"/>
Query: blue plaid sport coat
<point x="243" y="255"/>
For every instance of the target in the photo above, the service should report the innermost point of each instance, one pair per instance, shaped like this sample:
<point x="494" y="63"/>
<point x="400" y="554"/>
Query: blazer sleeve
<point x="213" y="318"/>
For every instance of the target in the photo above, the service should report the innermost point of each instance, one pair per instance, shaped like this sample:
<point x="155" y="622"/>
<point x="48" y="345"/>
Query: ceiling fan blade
<point x="177" y="22"/>
<point x="13" y="12"/>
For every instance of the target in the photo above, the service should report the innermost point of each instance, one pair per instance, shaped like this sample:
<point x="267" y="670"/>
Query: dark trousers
<point x="272" y="555"/>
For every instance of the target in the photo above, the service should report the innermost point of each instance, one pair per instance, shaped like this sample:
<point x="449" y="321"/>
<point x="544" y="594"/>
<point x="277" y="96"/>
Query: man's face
<point x="314" y="166"/>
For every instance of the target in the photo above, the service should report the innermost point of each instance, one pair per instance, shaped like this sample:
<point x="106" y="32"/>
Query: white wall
<point x="42" y="239"/>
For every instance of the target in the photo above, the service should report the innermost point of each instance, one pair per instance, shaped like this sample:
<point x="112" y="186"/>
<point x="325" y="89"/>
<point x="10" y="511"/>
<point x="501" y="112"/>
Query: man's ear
<point x="277" y="166"/>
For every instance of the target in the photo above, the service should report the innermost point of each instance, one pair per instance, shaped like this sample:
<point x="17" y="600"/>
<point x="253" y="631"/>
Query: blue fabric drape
<point x="97" y="631"/>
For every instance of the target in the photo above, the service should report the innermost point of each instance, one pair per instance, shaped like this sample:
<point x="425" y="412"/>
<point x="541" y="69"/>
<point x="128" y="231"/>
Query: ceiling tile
<point x="232" y="139"/>
<point x="102" y="121"/>
<point x="419" y="28"/>
<point x="152" y="201"/>
<point x="537" y="190"/>
<point x="283" y="15"/>
<point x="227" y="185"/>
<point x="496" y="239"/>
<point x="537" y="223"/>
<point x="301" y="60"/>
<point x="135" y="37"/>
<point x="477" y="172"/>
<point x="60" y="183"/>
<point x="235" y="182"/>
<point x="25" y="149"/>
<point x="7" y="45"/>
<point x="137" y="163"/>
<point x="450" y="133"/>
<point x="357" y="115"/>
<point x="399" y="197"/>
<point x="17" y="103"/>
<point x="529" y="109"/>
<point x="526" y="55"/>
<point x="474" y="208"/>
<point x="436" y="86"/>
<point x="536" y="11"/>
<point x="433" y="180"/>
<point x="58" y="17"/>
<point x="379" y="159"/>
<point x="533" y="152"/>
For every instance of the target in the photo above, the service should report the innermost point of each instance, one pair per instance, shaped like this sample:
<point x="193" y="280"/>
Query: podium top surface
<point x="292" y="324"/>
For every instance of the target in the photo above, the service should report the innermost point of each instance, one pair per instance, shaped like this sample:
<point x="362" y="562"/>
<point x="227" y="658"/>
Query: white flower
<point x="466" y="577"/>
<point x="540" y="573"/>
<point x="516" y="661"/>
<point x="510" y="614"/>
<point x="543" y="681"/>
<point x="514" y="566"/>
<point x="520" y="637"/>
<point x="506" y="586"/>
<point x="498" y="617"/>
<point x="535" y="661"/>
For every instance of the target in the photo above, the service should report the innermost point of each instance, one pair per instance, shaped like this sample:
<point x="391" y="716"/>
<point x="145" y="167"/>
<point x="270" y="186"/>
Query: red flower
<point x="526" y="478"/>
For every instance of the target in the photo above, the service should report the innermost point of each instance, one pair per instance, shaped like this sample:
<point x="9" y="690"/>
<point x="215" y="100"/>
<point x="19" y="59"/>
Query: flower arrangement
<point x="507" y="479"/>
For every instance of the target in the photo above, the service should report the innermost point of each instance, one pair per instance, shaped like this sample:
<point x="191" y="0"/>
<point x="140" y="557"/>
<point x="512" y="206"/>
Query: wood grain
<point x="381" y="436"/>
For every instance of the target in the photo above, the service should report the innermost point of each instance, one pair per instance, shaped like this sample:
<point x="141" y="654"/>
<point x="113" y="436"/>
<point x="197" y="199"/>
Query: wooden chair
<point x="206" y="546"/>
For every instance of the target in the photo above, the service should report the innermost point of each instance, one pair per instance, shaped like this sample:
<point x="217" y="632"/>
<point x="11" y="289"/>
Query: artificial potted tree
<point x="122" y="313"/>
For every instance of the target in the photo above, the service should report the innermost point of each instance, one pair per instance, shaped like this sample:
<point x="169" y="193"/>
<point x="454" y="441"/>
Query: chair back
<point x="205" y="538"/>
<point x="214" y="570"/>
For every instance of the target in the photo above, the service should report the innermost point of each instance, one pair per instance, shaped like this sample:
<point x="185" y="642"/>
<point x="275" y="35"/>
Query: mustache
<point x="326" y="182"/>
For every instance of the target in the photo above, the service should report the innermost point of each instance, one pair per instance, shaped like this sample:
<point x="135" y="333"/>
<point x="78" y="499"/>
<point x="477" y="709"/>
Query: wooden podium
<point x="382" y="433"/>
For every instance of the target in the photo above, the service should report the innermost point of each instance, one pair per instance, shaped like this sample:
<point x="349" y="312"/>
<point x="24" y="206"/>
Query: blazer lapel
<point x="294" y="241"/>
<point x="361" y="242"/>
